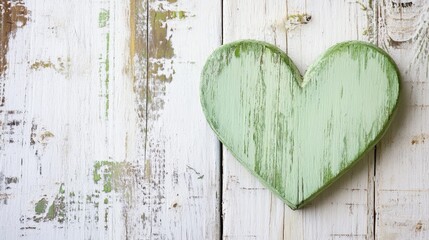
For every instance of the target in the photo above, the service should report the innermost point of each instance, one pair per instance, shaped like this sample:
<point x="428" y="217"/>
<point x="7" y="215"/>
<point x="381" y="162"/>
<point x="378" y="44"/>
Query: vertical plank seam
<point x="221" y="145"/>
<point x="221" y="191"/>
<point x="374" y="214"/>
<point x="374" y="181"/>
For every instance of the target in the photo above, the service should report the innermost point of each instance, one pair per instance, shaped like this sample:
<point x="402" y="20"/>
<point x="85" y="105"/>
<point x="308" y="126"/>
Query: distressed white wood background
<point x="102" y="135"/>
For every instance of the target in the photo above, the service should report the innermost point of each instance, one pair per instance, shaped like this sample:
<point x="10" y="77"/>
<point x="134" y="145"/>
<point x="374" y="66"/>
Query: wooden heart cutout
<point x="299" y="134"/>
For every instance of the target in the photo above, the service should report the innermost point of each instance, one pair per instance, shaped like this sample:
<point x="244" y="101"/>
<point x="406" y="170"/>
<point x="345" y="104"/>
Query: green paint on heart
<point x="299" y="134"/>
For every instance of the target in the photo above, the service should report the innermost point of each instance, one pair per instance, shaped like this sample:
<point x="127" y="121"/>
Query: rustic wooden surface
<point x="102" y="135"/>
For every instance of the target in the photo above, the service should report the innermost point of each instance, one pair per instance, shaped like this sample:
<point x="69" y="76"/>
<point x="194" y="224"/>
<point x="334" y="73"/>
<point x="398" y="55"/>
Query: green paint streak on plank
<point x="62" y="189"/>
<point x="103" y="18"/>
<point x="113" y="175"/>
<point x="103" y="22"/>
<point x="52" y="213"/>
<point x="107" y="68"/>
<point x="107" y="186"/>
<point x="95" y="174"/>
<point x="57" y="210"/>
<point x="41" y="206"/>
<point x="299" y="134"/>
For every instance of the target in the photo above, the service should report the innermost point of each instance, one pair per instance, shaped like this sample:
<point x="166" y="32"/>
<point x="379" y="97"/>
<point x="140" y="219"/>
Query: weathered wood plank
<point x="182" y="161"/>
<point x="95" y="139"/>
<point x="69" y="156"/>
<point x="73" y="117"/>
<point x="401" y="170"/>
<point x="334" y="215"/>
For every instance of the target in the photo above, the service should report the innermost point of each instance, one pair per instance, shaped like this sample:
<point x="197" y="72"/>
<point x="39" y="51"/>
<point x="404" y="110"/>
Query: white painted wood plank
<point x="81" y="157"/>
<point x="69" y="86"/>
<point x="182" y="154"/>
<point x="402" y="157"/>
<point x="66" y="120"/>
<point x="304" y="30"/>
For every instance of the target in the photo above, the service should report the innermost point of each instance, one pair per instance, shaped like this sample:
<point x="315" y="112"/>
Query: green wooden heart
<point x="298" y="134"/>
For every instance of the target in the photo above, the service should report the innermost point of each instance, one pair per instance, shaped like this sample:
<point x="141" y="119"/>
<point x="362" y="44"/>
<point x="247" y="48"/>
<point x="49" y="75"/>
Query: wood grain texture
<point x="299" y="134"/>
<point x="69" y="169"/>
<point x="93" y="121"/>
<point x="182" y="155"/>
<point x="402" y="156"/>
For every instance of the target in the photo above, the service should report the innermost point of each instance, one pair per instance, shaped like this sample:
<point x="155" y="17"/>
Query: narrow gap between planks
<point x="374" y="5"/>
<point x="374" y="213"/>
<point x="221" y="146"/>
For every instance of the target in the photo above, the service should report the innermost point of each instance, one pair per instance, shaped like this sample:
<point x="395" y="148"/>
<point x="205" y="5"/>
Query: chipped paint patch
<point x="59" y="65"/>
<point x="5" y="187"/>
<point x="10" y="123"/>
<point x="137" y="68"/>
<point x="56" y="210"/>
<point x="40" y="207"/>
<point x="13" y="15"/>
<point x="9" y="180"/>
<point x="419" y="226"/>
<point x="292" y="21"/>
<point x="40" y="138"/>
<point x="161" y="54"/>
<point x="42" y="64"/>
<point x="160" y="45"/>
<point x="116" y="176"/>
<point x="45" y="136"/>
<point x="419" y="139"/>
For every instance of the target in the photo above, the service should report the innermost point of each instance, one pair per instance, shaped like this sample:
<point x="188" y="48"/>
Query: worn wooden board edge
<point x="302" y="80"/>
